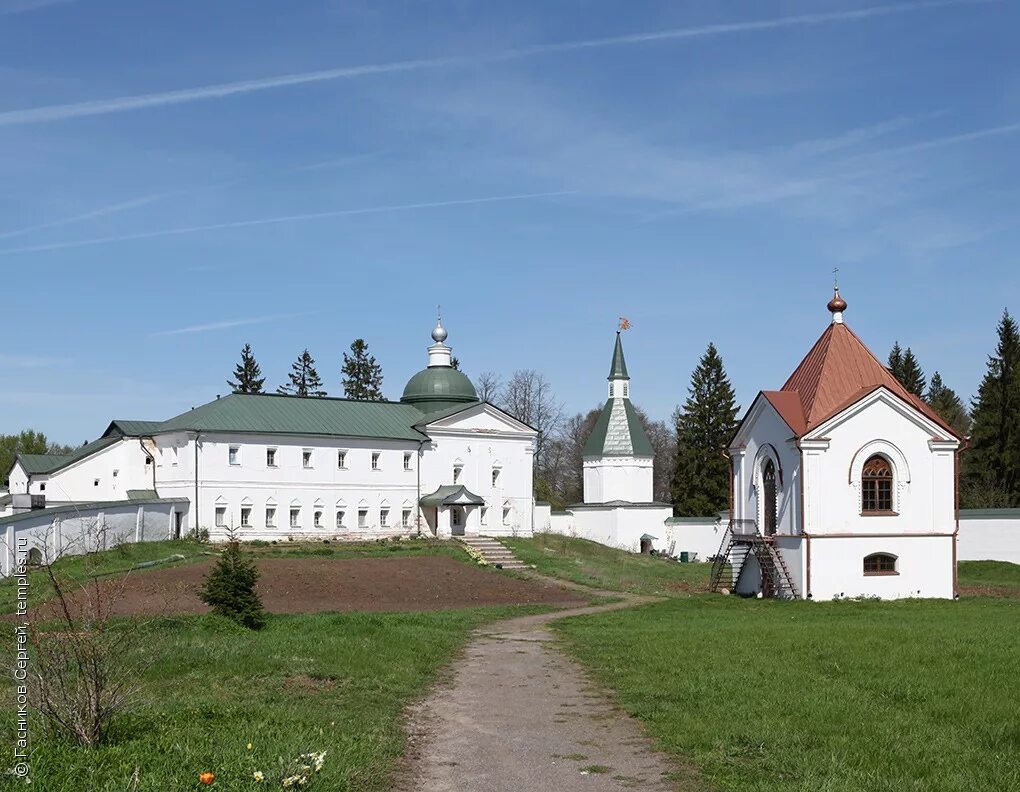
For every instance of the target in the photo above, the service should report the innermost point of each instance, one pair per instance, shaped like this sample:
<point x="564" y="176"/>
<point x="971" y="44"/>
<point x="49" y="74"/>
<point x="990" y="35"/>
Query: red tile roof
<point x="838" y="371"/>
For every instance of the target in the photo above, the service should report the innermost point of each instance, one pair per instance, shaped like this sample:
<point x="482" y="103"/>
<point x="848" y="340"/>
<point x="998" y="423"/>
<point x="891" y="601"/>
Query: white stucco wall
<point x="621" y="526"/>
<point x="64" y="531"/>
<point x="699" y="535"/>
<point x="620" y="478"/>
<point x="989" y="535"/>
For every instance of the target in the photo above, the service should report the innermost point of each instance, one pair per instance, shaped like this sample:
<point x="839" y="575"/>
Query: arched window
<point x="768" y="481"/>
<point x="876" y="486"/>
<point x="880" y="564"/>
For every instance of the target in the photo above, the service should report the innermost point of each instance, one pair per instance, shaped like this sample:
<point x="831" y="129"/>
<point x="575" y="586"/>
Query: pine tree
<point x="362" y="375"/>
<point x="704" y="425"/>
<point x="991" y="465"/>
<point x="304" y="379"/>
<point x="911" y="375"/>
<point x="896" y="361"/>
<point x="247" y="374"/>
<point x="948" y="405"/>
<point x="229" y="588"/>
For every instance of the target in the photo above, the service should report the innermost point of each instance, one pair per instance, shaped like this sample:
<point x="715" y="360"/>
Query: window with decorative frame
<point x="270" y="516"/>
<point x="877" y="486"/>
<point x="339" y="519"/>
<point x="880" y="564"/>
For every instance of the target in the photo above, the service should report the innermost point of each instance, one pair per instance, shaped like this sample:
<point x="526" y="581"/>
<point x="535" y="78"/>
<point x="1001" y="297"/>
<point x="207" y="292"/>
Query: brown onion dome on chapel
<point x="837" y="304"/>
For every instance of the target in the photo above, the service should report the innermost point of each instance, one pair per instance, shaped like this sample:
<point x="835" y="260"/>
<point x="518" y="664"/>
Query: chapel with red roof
<point x="843" y="485"/>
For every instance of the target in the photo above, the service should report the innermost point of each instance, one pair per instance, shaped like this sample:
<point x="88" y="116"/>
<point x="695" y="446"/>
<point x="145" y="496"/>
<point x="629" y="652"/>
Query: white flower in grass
<point x="258" y="775"/>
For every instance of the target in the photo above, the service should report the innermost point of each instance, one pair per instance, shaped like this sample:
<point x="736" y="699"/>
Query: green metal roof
<point x="142" y="495"/>
<point x="276" y="414"/>
<point x="437" y="387"/>
<point x="450" y="494"/>
<point x="618" y="368"/>
<point x="618" y="432"/>
<point x="50" y="463"/>
<point x="132" y="428"/>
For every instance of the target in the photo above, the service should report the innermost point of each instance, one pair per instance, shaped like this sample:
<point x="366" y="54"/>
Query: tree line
<point x="360" y="375"/>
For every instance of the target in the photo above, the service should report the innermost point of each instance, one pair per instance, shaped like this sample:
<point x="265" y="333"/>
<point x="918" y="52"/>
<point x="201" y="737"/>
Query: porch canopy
<point x="452" y="495"/>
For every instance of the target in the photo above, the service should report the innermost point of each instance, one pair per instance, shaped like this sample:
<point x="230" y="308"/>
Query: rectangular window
<point x="384" y="518"/>
<point x="405" y="518"/>
<point x="246" y="516"/>
<point x="234" y="455"/>
<point x="484" y="515"/>
<point x="317" y="518"/>
<point x="306" y="458"/>
<point x="95" y="483"/>
<point x="270" y="457"/>
<point x="339" y="520"/>
<point x="375" y="460"/>
<point x="407" y="461"/>
<point x="362" y="518"/>
<point x="42" y="487"/>
<point x="270" y="517"/>
<point x="295" y="516"/>
<point x="495" y="476"/>
<point x="341" y="459"/>
<point x="221" y="516"/>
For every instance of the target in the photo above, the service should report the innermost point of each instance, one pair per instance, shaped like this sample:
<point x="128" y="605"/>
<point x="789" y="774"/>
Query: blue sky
<point x="179" y="179"/>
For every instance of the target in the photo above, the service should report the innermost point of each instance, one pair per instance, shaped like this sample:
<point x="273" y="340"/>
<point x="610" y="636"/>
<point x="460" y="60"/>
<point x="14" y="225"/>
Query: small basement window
<point x="880" y="564"/>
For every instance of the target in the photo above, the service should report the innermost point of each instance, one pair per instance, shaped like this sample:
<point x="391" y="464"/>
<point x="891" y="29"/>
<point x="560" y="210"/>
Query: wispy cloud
<point x="122" y="104"/>
<point x="260" y="221"/>
<point x="100" y="212"/>
<point x="23" y="6"/>
<point x="226" y="325"/>
<point x="31" y="361"/>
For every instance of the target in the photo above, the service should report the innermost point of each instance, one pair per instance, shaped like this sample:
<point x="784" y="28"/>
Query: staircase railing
<point x="741" y="539"/>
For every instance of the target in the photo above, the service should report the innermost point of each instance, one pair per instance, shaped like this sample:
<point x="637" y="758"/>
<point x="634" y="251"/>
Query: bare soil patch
<point x="313" y="585"/>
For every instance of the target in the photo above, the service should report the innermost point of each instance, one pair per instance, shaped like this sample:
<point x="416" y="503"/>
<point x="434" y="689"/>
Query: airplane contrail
<point x="48" y="113"/>
<point x="258" y="221"/>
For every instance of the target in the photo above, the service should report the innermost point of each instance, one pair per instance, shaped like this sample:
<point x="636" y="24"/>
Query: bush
<point x="229" y="589"/>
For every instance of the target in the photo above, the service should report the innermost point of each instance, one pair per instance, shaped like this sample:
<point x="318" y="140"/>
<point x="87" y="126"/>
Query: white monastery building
<point x="439" y="462"/>
<point x="844" y="483"/>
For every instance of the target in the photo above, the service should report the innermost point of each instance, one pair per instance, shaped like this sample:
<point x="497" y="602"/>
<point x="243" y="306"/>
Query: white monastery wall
<point x="989" y="535"/>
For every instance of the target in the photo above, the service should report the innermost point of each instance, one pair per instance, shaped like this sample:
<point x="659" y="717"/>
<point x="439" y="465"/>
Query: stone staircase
<point x="493" y="552"/>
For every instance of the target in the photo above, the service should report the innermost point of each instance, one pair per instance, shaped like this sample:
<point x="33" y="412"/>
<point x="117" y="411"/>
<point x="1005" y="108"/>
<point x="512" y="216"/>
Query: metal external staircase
<point x="493" y="551"/>
<point x="742" y="540"/>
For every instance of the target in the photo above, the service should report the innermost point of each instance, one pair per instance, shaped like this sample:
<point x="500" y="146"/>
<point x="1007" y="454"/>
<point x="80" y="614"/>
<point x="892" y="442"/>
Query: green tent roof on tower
<point x="618" y="430"/>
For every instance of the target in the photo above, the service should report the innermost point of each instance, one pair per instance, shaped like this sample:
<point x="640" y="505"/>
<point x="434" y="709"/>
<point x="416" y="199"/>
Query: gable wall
<point x="768" y="428"/>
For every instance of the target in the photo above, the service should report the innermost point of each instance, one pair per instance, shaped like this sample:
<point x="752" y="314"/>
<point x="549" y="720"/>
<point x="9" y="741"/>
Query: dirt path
<point x="517" y="714"/>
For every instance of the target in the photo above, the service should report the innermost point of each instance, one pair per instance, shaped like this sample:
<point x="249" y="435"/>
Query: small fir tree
<point x="304" y="379"/>
<point x="229" y="588"/>
<point x="948" y="405"/>
<point x="991" y="465"/>
<point x="362" y="375"/>
<point x="247" y="374"/>
<point x="700" y="484"/>
<point x="896" y="361"/>
<point x="911" y="375"/>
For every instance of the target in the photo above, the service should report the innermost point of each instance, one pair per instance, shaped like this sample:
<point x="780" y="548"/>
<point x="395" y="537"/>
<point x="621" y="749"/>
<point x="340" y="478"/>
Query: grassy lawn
<point x="1001" y="577"/>
<point x="592" y="564"/>
<point x="767" y="695"/>
<point x="333" y="682"/>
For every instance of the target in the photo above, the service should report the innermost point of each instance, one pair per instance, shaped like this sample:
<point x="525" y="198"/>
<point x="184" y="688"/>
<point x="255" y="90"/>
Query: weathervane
<point x="624" y="323"/>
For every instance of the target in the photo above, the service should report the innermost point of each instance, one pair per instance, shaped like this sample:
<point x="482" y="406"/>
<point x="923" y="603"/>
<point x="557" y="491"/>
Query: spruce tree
<point x="229" y="588"/>
<point x="896" y="361"/>
<point x="911" y="375"/>
<point x="362" y="375"/>
<point x="991" y="465"/>
<point x="304" y="379"/>
<point x="247" y="374"/>
<point x="948" y="405"/>
<point x="700" y="484"/>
